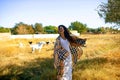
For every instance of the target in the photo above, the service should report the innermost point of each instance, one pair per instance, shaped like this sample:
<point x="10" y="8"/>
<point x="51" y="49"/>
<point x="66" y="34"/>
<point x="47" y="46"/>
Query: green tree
<point x="50" y="29"/>
<point x="3" y="30"/>
<point x="80" y="27"/>
<point x="38" y="28"/>
<point x="110" y="11"/>
<point x="102" y="30"/>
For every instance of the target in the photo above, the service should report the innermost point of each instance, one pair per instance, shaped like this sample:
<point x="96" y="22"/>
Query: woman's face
<point x="61" y="30"/>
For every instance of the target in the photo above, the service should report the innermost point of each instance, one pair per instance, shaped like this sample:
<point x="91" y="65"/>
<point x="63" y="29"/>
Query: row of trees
<point x="38" y="28"/>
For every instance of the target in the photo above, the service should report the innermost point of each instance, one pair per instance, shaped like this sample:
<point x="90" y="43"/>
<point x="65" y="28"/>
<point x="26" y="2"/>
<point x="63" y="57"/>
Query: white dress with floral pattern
<point x="67" y="75"/>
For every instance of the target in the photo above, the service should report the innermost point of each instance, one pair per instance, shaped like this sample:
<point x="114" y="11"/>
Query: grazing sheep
<point x="37" y="46"/>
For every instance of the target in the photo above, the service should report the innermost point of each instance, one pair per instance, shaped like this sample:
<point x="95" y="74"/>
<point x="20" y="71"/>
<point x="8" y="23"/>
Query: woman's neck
<point x="63" y="36"/>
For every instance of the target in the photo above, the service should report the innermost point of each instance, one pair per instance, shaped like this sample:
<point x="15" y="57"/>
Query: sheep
<point x="37" y="46"/>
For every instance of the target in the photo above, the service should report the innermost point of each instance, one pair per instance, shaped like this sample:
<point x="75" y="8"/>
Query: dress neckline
<point x="63" y="38"/>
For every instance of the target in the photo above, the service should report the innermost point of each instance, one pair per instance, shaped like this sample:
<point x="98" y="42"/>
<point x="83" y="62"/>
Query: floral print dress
<point x="67" y="75"/>
<point x="66" y="56"/>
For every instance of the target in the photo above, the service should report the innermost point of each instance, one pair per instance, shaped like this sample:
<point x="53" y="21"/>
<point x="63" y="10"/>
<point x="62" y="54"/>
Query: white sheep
<point x="37" y="46"/>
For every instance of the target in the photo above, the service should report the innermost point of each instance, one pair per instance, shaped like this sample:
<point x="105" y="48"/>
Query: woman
<point x="66" y="48"/>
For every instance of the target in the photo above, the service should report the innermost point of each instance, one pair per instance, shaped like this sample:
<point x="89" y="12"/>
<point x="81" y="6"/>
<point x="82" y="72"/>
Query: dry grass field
<point x="100" y="60"/>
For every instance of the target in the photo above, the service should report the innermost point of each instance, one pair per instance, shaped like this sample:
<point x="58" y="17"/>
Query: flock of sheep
<point x="38" y="46"/>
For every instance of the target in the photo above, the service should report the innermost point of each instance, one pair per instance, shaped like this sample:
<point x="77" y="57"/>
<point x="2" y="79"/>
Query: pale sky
<point x="50" y="12"/>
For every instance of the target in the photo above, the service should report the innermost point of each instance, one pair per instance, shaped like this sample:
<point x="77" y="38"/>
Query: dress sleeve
<point x="76" y="53"/>
<point x="81" y="41"/>
<point x="55" y="55"/>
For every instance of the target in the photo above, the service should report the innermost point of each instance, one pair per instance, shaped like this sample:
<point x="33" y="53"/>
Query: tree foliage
<point x="110" y="11"/>
<point x="50" y="29"/>
<point x="103" y="30"/>
<point x="38" y="28"/>
<point x="3" y="30"/>
<point x="22" y="28"/>
<point x="80" y="27"/>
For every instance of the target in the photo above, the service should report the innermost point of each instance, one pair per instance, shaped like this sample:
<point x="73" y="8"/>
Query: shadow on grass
<point x="42" y="69"/>
<point x="39" y="69"/>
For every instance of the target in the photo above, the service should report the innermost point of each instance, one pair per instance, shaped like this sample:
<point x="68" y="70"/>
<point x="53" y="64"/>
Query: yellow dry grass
<point x="100" y="61"/>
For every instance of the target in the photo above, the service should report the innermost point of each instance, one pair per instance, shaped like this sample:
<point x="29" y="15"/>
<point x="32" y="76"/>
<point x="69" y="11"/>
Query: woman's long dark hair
<point x="67" y="34"/>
